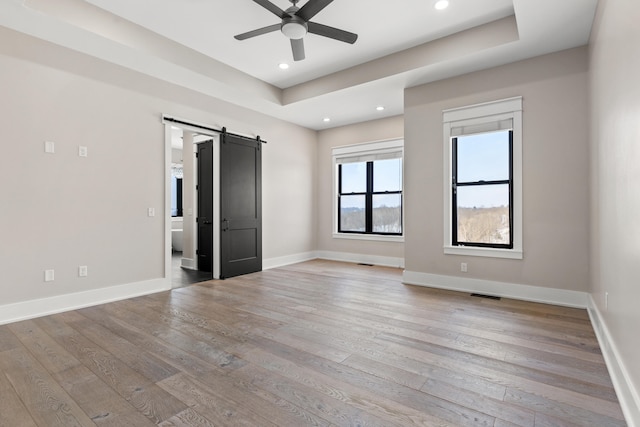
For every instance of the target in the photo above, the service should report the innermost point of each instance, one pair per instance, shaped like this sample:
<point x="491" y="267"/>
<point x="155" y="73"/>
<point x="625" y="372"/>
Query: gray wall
<point x="60" y="211"/>
<point x="615" y="182"/>
<point x="378" y="130"/>
<point x="555" y="171"/>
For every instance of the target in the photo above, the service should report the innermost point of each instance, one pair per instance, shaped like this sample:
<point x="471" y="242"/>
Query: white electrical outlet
<point x="49" y="275"/>
<point x="463" y="267"/>
<point x="82" y="151"/>
<point x="151" y="212"/>
<point x="83" y="271"/>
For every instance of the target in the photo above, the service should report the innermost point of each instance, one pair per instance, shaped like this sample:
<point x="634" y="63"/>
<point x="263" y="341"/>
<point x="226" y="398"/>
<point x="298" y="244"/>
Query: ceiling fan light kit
<point x="295" y="24"/>
<point x="294" y="28"/>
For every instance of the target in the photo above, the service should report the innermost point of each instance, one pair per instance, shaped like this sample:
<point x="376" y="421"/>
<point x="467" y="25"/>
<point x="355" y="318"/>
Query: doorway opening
<point x="184" y="262"/>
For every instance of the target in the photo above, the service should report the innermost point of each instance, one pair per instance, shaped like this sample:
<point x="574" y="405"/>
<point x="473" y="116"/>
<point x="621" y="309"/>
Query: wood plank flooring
<point x="313" y="344"/>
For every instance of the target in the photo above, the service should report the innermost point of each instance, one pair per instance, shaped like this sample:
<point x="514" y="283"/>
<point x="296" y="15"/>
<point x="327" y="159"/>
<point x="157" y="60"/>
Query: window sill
<point x="370" y="237"/>
<point x="483" y="252"/>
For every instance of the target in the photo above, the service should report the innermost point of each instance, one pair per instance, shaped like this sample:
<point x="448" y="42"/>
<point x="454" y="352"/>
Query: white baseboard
<point x="506" y="290"/>
<point x="269" y="263"/>
<point x="332" y="256"/>
<point x="384" y="261"/>
<point x="57" y="304"/>
<point x="189" y="263"/>
<point x="628" y="396"/>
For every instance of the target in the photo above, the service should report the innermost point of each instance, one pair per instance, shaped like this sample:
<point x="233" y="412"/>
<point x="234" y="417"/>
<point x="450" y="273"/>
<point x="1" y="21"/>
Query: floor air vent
<point x="486" y="296"/>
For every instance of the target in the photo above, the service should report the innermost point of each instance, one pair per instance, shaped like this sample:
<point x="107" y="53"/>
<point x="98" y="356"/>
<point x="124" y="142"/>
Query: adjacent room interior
<point x="320" y="212"/>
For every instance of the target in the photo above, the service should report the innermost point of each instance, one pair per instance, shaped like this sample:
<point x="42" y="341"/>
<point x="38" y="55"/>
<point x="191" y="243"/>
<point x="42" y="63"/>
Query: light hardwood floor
<point x="317" y="343"/>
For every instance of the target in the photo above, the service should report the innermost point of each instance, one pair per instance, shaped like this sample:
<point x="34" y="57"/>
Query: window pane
<point x="483" y="156"/>
<point x="354" y="177"/>
<point x="352" y="213"/>
<point x="483" y="214"/>
<point x="387" y="175"/>
<point x="387" y="213"/>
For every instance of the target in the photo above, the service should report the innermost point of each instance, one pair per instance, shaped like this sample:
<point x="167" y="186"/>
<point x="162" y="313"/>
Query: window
<point x="368" y="190"/>
<point x="482" y="190"/>
<point x="483" y="194"/>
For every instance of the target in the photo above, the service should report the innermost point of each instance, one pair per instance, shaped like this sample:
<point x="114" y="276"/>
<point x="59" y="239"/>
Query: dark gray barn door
<point x="240" y="206"/>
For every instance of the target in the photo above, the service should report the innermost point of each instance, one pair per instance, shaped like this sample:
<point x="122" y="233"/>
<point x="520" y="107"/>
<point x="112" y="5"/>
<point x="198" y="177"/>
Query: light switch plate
<point x="49" y="147"/>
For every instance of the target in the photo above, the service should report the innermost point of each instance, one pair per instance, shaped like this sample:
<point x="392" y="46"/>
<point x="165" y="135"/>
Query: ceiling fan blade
<point x="332" y="33"/>
<point x="297" y="47"/>
<point x="272" y="8"/>
<point x="312" y="8"/>
<point x="258" y="32"/>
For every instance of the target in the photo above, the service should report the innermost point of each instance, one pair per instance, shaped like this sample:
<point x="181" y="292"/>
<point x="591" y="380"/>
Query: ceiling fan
<point x="296" y="24"/>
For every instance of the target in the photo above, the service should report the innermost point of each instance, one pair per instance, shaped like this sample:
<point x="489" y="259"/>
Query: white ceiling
<point x="401" y="44"/>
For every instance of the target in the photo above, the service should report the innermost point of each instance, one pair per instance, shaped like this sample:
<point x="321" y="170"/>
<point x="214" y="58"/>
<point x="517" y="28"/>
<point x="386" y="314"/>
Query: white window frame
<point x="479" y="116"/>
<point x="364" y="150"/>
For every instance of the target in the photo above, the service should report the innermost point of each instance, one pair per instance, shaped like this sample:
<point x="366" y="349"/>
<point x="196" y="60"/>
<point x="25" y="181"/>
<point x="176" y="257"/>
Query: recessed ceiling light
<point x="441" y="4"/>
<point x="380" y="108"/>
<point x="283" y="66"/>
<point x="326" y="119"/>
